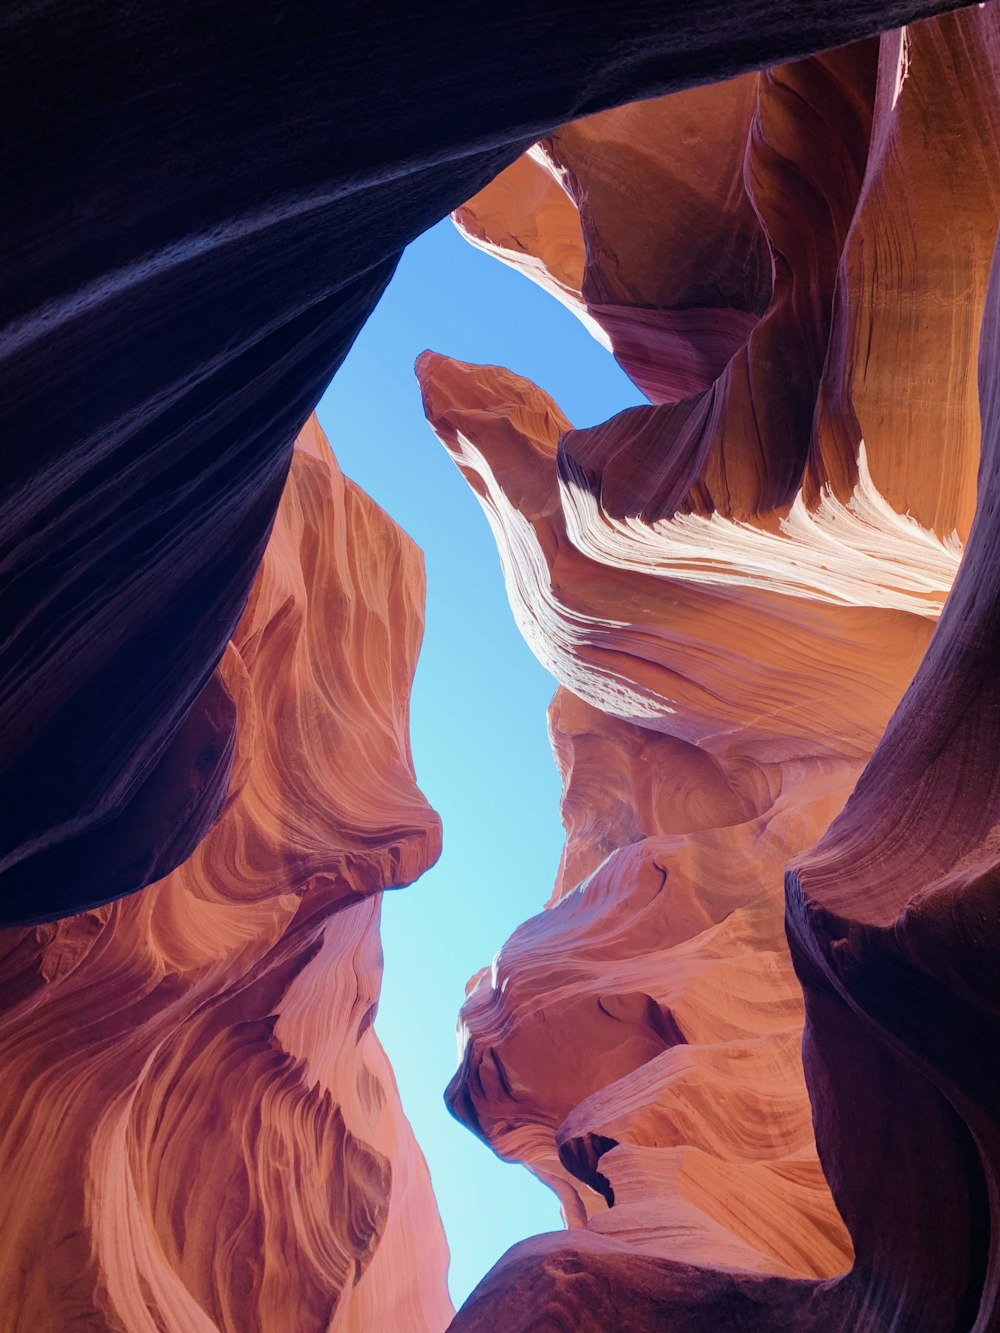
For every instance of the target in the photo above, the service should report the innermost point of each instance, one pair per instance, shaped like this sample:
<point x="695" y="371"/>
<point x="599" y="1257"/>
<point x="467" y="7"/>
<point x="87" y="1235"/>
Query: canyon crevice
<point x="735" y="588"/>
<point x="205" y="203"/>
<point x="199" y="1128"/>
<point x="749" y="1040"/>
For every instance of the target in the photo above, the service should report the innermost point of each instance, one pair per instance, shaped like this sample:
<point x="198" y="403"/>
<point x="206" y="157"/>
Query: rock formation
<point x="199" y="1130"/>
<point x="761" y="1110"/>
<point x="203" y="204"/>
<point x="735" y="587"/>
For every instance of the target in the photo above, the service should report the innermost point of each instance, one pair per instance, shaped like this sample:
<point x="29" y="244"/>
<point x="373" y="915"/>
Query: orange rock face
<point x="199" y="1129"/>
<point x="734" y="587"/>
<point x="740" y="588"/>
<point x="200" y="226"/>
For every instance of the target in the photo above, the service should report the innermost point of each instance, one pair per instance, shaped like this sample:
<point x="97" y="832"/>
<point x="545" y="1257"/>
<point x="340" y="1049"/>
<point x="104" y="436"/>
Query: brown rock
<point x="199" y="1129"/>
<point x="738" y="584"/>
<point x="202" y="206"/>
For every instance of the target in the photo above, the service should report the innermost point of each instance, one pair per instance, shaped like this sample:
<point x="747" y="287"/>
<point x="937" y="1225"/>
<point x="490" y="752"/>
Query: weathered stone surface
<point x="734" y="587"/>
<point x="199" y="1129"/>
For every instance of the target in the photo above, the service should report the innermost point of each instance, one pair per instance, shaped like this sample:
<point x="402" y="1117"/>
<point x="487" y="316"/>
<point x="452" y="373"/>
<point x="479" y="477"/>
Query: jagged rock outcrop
<point x="203" y="204"/>
<point x="199" y="1129"/>
<point x="734" y="587"/>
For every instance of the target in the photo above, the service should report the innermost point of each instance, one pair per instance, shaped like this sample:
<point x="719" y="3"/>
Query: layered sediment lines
<point x="742" y="589"/>
<point x="735" y="587"/>
<point x="199" y="1129"/>
<point x="203" y="206"/>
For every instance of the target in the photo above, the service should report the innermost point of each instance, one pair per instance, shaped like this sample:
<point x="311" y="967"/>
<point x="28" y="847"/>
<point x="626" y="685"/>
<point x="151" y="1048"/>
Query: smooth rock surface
<point x="199" y="1130"/>
<point x="735" y="588"/>
<point x="203" y="202"/>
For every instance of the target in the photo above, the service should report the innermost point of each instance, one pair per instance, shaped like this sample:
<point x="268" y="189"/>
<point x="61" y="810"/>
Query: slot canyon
<point x="745" y="1043"/>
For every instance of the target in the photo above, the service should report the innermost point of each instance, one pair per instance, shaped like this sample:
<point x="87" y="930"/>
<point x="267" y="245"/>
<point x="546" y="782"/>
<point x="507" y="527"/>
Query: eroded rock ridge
<point x="199" y="1130"/>
<point x="774" y="714"/>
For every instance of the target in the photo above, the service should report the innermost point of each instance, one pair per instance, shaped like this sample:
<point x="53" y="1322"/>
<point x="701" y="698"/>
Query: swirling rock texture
<point x="199" y="1129"/>
<point x="735" y="587"/>
<point x="203" y="202"/>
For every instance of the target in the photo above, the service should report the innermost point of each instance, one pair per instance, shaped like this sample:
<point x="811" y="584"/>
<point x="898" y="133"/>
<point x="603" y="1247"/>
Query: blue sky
<point x="478" y="715"/>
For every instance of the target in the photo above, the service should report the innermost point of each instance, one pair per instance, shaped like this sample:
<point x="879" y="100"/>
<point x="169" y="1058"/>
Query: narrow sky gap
<point x="478" y="724"/>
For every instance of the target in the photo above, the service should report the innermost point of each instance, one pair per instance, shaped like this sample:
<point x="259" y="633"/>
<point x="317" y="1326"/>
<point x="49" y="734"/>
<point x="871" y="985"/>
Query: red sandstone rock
<point x="199" y="1129"/>
<point x="202" y="204"/>
<point x="738" y="583"/>
<point x="728" y="579"/>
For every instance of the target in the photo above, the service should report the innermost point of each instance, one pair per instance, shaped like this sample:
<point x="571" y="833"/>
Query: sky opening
<point x="479" y="701"/>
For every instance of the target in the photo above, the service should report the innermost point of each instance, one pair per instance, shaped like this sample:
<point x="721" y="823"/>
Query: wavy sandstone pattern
<point x="199" y="1130"/>
<point x="204" y="204"/>
<point x="734" y="588"/>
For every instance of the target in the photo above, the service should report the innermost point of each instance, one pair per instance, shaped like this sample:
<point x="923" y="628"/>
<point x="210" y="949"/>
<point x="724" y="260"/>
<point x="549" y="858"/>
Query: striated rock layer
<point x="735" y="587"/>
<point x="199" y="1130"/>
<point x="203" y="203"/>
